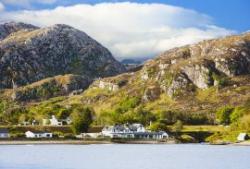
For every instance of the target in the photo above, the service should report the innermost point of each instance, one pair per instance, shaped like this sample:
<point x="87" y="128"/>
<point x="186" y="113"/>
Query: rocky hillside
<point x="29" y="54"/>
<point x="200" y="66"/>
<point x="189" y="83"/>
<point x="7" y="28"/>
<point x="195" y="78"/>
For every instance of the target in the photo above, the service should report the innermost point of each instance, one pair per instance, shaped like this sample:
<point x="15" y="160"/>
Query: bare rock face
<point x="30" y="55"/>
<point x="202" y="65"/>
<point x="236" y="66"/>
<point x="7" y="28"/>
<point x="200" y="74"/>
<point x="180" y="82"/>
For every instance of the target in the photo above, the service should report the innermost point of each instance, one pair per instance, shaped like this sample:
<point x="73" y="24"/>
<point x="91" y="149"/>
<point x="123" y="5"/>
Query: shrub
<point x="221" y="80"/>
<point x="158" y="127"/>
<point x="245" y="123"/>
<point x="185" y="138"/>
<point x="178" y="126"/>
<point x="223" y="115"/>
<point x="236" y="114"/>
<point x="81" y="120"/>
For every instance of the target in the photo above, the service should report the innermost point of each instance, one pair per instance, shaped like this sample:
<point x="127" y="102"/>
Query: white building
<point x="242" y="137"/>
<point x="56" y="122"/>
<point x="4" y="133"/>
<point x="30" y="134"/>
<point x="136" y="131"/>
<point x="89" y="135"/>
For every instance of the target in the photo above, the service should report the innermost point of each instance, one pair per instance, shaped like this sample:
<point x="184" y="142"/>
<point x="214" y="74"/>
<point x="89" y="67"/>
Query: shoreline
<point x="51" y="142"/>
<point x="81" y="142"/>
<point x="88" y="142"/>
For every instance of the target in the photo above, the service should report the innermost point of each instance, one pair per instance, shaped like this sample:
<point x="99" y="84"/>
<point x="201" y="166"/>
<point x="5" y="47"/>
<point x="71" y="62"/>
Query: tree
<point x="178" y="126"/>
<point x="223" y="115"/>
<point x="237" y="113"/>
<point x="81" y="119"/>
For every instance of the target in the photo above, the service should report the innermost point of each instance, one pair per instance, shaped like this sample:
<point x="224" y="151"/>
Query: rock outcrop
<point x="8" y="28"/>
<point x="200" y="66"/>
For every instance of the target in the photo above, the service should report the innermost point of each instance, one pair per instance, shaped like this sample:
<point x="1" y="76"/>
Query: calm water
<point x="124" y="157"/>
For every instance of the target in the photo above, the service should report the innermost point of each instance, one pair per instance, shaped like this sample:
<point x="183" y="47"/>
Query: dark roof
<point x="4" y="130"/>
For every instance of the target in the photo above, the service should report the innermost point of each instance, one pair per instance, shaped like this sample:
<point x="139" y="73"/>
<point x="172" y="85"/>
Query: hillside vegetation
<point x="202" y="84"/>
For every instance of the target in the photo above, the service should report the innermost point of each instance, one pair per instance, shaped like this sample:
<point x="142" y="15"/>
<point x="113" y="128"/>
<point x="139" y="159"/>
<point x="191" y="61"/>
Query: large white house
<point x="56" y="122"/>
<point x="4" y="133"/>
<point x="30" y="134"/>
<point x="136" y="131"/>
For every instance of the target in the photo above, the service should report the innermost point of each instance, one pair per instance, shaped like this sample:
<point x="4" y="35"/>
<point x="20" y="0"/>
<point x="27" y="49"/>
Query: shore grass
<point x="210" y="128"/>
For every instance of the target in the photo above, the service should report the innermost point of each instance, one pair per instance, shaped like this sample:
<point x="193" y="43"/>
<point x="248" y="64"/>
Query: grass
<point x="94" y="91"/>
<point x="209" y="95"/>
<point x="163" y="101"/>
<point x="211" y="128"/>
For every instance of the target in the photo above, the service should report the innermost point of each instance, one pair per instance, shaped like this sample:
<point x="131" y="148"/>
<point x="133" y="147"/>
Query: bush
<point x="126" y="104"/>
<point x="237" y="113"/>
<point x="193" y="118"/>
<point x="223" y="115"/>
<point x="244" y="123"/>
<point x="185" y="138"/>
<point x="178" y="126"/>
<point x="69" y="136"/>
<point x="81" y="120"/>
<point x="221" y="80"/>
<point x="158" y="127"/>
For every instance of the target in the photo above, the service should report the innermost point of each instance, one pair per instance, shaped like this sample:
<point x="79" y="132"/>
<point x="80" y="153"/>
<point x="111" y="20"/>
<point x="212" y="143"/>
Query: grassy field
<point x="210" y="128"/>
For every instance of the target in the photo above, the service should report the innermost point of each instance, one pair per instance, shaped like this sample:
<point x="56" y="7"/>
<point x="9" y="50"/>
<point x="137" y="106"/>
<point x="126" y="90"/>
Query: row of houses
<point x="135" y="131"/>
<point x="4" y="134"/>
<point x="53" y="121"/>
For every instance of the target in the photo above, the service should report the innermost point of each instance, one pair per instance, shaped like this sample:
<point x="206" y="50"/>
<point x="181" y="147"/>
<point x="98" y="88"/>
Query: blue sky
<point x="137" y="28"/>
<point x="231" y="14"/>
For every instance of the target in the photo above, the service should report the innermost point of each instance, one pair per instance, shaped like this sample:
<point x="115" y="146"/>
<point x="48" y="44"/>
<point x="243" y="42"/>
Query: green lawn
<point x="211" y="128"/>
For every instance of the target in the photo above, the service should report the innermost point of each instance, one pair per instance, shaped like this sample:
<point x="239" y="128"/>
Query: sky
<point x="136" y="28"/>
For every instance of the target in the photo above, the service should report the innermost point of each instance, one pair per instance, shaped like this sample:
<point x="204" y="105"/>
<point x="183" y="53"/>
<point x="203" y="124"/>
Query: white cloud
<point x="1" y="7"/>
<point x="129" y="29"/>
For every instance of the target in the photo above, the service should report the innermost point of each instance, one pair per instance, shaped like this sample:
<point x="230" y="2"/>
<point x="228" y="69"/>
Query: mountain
<point x="7" y="28"/>
<point x="29" y="54"/>
<point x="193" y="83"/>
<point x="189" y="83"/>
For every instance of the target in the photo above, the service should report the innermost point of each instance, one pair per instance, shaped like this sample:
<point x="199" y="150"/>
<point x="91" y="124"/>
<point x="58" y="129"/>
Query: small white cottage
<point x="57" y="122"/>
<point x="4" y="133"/>
<point x="242" y="137"/>
<point x="30" y="134"/>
